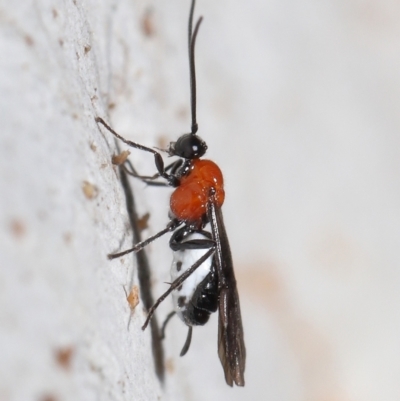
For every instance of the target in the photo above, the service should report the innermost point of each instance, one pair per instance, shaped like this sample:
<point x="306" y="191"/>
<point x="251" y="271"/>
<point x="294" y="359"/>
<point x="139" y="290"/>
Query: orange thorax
<point x="189" y="200"/>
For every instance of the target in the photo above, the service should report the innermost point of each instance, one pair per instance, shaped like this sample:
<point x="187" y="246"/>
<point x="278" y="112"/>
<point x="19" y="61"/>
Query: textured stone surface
<point x="298" y="103"/>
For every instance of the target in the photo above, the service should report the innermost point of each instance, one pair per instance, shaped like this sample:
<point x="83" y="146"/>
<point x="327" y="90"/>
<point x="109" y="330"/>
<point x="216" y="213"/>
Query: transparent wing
<point x="231" y="348"/>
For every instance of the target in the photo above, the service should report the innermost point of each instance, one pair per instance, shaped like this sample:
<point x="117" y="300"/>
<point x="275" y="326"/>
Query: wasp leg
<point x="186" y="346"/>
<point x="172" y="179"/>
<point x="177" y="283"/>
<point x="171" y="226"/>
<point x="178" y="243"/>
<point x="173" y="167"/>
<point x="167" y="319"/>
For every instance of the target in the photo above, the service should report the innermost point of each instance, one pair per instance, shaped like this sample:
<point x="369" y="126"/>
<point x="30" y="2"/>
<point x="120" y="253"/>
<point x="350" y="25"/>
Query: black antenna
<point x="192" y="41"/>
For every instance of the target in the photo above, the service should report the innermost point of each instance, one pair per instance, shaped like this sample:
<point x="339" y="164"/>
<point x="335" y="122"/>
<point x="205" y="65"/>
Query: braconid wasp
<point x="202" y="270"/>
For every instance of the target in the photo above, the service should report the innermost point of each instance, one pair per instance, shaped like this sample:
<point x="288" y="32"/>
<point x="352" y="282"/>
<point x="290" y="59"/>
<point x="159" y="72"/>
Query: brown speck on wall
<point x="121" y="158"/>
<point x="48" y="397"/>
<point x="63" y="357"/>
<point x="148" y="24"/>
<point x="89" y="190"/>
<point x="143" y="221"/>
<point x="67" y="237"/>
<point x="133" y="297"/>
<point x="18" y="228"/>
<point x="169" y="365"/>
<point x="29" y="40"/>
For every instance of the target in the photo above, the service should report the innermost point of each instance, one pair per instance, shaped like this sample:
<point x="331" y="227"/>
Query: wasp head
<point x="188" y="146"/>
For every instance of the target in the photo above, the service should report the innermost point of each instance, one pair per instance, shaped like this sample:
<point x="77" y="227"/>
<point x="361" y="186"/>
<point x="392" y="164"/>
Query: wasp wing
<point x="231" y="348"/>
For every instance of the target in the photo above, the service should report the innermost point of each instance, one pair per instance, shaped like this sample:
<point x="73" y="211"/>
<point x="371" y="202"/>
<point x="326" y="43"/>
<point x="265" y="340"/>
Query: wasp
<point x="202" y="270"/>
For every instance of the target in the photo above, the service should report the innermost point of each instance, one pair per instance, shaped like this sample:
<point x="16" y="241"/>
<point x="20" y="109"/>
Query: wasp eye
<point x="188" y="146"/>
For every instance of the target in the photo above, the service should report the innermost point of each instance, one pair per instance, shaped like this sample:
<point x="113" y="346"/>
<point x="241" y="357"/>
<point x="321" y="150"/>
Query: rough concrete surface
<point x="299" y="104"/>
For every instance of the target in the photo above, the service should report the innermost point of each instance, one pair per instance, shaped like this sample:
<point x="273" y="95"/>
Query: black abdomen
<point x="204" y="301"/>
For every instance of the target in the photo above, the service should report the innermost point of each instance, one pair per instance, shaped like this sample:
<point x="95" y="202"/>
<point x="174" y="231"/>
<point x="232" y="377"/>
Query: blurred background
<point x="299" y="105"/>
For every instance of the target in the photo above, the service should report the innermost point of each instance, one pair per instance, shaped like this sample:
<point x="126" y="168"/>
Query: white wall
<point x="298" y="103"/>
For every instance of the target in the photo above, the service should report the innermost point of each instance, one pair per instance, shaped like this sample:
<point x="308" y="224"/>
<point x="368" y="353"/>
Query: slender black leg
<point x="178" y="243"/>
<point x="172" y="180"/>
<point x="173" y="167"/>
<point x="149" y="179"/>
<point x="176" y="284"/>
<point x="167" y="319"/>
<point x="193" y="244"/>
<point x="187" y="342"/>
<point x="188" y="338"/>
<point x="171" y="226"/>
